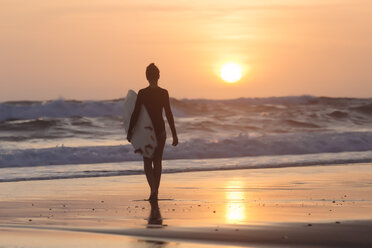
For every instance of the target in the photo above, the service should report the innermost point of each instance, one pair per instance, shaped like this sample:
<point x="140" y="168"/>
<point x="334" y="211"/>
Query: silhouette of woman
<point x="155" y="99"/>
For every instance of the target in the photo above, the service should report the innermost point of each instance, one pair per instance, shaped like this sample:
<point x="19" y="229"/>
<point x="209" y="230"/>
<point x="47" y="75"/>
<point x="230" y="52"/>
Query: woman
<point x="155" y="99"/>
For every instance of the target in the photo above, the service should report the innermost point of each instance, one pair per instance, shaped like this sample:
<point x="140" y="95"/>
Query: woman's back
<point x="155" y="99"/>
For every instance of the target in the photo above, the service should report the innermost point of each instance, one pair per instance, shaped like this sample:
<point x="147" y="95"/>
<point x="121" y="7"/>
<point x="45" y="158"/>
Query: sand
<point x="315" y="206"/>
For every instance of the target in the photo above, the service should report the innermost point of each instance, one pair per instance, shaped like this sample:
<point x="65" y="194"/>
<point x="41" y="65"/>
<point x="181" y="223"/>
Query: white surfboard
<point x="144" y="138"/>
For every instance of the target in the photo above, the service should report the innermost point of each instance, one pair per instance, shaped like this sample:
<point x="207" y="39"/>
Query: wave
<point x="33" y="124"/>
<point x="303" y="99"/>
<point x="179" y="166"/>
<point x="197" y="148"/>
<point x="301" y="124"/>
<point x="364" y="109"/>
<point x="338" y="114"/>
<point x="59" y="109"/>
<point x="27" y="110"/>
<point x="272" y="115"/>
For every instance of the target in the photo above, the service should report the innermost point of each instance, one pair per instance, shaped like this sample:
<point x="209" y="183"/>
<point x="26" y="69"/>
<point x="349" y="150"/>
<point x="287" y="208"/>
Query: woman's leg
<point x="157" y="174"/>
<point x="149" y="171"/>
<point x="155" y="215"/>
<point x="157" y="161"/>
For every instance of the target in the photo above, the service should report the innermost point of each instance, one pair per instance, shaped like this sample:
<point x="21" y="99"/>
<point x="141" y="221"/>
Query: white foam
<point x="182" y="165"/>
<point x="237" y="146"/>
<point x="59" y="109"/>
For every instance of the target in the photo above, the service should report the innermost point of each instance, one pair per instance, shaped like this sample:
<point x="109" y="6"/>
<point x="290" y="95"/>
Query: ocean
<point x="49" y="140"/>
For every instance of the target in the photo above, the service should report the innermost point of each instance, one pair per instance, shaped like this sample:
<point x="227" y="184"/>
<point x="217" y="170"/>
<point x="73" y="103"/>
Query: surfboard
<point x="144" y="138"/>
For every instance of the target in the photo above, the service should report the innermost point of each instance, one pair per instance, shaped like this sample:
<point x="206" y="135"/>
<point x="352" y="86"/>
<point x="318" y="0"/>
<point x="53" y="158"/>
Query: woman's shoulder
<point x="164" y="91"/>
<point x="141" y="91"/>
<point x="150" y="90"/>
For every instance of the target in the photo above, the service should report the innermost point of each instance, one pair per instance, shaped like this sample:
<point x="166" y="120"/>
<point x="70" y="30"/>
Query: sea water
<point x="72" y="139"/>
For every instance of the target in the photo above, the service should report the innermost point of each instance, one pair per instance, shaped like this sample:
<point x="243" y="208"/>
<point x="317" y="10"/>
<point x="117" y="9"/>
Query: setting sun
<point x="231" y="72"/>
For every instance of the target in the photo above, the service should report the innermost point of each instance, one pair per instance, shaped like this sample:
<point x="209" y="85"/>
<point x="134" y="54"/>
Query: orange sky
<point x="98" y="49"/>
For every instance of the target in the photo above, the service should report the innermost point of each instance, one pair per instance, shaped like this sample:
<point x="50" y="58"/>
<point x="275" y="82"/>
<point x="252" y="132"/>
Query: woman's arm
<point x="134" y="117"/>
<point x="169" y="115"/>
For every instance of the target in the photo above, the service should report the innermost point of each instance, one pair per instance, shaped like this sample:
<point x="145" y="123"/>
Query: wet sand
<point x="328" y="206"/>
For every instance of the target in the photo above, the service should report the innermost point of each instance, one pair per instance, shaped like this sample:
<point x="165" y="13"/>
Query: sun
<point x="231" y="72"/>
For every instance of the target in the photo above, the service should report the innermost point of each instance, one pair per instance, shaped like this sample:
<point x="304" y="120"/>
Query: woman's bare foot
<point x="153" y="197"/>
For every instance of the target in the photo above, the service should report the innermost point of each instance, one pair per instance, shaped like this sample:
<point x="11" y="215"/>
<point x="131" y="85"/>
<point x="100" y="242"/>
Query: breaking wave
<point x="26" y="110"/>
<point x="69" y="139"/>
<point x="238" y="146"/>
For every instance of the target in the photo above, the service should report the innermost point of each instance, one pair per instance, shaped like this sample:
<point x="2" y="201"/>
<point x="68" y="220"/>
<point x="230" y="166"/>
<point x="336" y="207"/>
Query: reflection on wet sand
<point x="155" y="244"/>
<point x="155" y="220"/>
<point x="235" y="208"/>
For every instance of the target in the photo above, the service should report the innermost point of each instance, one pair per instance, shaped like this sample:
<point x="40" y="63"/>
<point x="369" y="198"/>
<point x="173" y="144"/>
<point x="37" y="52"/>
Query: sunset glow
<point x="100" y="49"/>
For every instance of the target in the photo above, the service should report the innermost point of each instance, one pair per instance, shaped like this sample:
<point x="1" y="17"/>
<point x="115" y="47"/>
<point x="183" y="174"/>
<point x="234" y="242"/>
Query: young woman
<point x="155" y="99"/>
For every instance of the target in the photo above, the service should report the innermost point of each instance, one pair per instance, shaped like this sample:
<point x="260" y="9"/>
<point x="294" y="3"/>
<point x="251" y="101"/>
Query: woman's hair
<point x="152" y="72"/>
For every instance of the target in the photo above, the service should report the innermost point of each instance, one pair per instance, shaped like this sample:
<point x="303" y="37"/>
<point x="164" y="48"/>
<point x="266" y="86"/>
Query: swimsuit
<point x="155" y="99"/>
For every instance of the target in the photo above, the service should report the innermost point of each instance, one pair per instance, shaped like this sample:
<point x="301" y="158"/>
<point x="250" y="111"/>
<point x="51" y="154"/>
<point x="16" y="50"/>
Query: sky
<point x="99" y="49"/>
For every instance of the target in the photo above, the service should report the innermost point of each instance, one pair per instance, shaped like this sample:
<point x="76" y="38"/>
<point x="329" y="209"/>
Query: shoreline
<point x="171" y="166"/>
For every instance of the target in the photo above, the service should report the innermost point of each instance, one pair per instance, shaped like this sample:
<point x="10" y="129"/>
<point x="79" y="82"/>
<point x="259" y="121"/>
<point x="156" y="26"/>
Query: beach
<point x="312" y="206"/>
